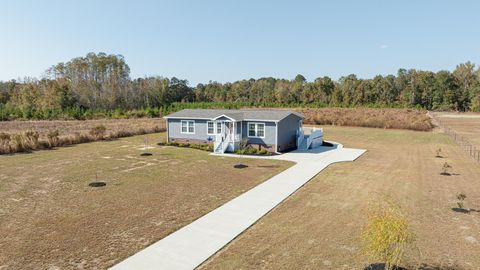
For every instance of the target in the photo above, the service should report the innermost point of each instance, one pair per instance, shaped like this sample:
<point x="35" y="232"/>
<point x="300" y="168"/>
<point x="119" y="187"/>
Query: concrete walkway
<point x="191" y="245"/>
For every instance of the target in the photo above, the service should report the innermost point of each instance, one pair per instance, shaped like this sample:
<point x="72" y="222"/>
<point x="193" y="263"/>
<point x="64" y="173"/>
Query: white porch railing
<point x="312" y="140"/>
<point x="300" y="136"/>
<point x="315" y="139"/>
<point x="223" y="141"/>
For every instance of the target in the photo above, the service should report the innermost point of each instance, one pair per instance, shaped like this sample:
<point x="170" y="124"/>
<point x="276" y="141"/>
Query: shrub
<point x="52" y="138"/>
<point x="5" y="140"/>
<point x="250" y="151"/>
<point x="184" y="145"/>
<point x="30" y="140"/>
<point x="204" y="147"/>
<point x="98" y="132"/>
<point x="386" y="234"/>
<point x="263" y="152"/>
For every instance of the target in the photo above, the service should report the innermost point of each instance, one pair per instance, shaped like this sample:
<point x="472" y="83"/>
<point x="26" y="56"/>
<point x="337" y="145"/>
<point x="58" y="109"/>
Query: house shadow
<point x="317" y="150"/>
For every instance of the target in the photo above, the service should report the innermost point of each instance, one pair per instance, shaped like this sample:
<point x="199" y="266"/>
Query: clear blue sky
<point x="229" y="40"/>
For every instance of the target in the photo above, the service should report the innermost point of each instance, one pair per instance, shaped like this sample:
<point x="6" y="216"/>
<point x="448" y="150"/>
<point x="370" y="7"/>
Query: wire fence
<point x="462" y="141"/>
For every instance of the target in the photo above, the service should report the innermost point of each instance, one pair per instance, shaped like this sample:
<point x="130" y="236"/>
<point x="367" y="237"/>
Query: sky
<point x="206" y="40"/>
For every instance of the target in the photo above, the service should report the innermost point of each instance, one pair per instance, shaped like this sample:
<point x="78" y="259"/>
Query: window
<point x="256" y="130"/>
<point x="261" y="130"/>
<point x="219" y="128"/>
<point x="210" y="128"/>
<point x="188" y="126"/>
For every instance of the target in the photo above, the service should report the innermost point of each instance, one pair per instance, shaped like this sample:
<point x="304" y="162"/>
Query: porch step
<point x="303" y="144"/>
<point x="219" y="148"/>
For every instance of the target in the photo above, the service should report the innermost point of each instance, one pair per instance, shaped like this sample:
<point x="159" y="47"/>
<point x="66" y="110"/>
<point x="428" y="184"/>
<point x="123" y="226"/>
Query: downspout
<point x="168" y="135"/>
<point x="276" y="137"/>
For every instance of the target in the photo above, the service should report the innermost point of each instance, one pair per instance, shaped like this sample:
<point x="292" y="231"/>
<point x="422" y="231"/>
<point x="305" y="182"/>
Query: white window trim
<point x="187" y="121"/>
<point x="222" y="127"/>
<point x="214" y="128"/>
<point x="256" y="130"/>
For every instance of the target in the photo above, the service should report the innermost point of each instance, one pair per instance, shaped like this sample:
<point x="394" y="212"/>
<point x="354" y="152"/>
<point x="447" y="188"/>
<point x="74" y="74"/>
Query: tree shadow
<point x="425" y="266"/>
<point x="240" y="166"/>
<point x="445" y="174"/>
<point x="97" y="184"/>
<point x="381" y="266"/>
<point x="465" y="211"/>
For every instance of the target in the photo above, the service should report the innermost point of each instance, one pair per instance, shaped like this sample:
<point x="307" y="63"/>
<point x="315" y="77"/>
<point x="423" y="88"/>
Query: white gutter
<point x="276" y="137"/>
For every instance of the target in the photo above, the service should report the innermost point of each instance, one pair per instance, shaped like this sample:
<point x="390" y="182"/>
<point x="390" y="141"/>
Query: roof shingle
<point x="237" y="115"/>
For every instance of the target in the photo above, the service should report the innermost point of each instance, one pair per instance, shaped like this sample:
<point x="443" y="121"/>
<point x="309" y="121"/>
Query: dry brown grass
<point x="465" y="124"/>
<point x="320" y="226"/>
<point x="25" y="136"/>
<point x="51" y="219"/>
<point x="364" y="117"/>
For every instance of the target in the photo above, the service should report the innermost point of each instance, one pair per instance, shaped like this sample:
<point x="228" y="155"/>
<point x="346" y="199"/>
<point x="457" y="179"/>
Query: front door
<point x="229" y="129"/>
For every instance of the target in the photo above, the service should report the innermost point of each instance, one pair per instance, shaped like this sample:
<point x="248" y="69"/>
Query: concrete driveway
<point x="191" y="245"/>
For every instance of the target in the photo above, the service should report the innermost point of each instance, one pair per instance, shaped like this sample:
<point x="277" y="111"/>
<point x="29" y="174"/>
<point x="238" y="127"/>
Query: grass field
<point x="66" y="127"/>
<point x="51" y="219"/>
<point x="25" y="136"/>
<point x="319" y="226"/>
<point x="410" y="119"/>
<point x="465" y="124"/>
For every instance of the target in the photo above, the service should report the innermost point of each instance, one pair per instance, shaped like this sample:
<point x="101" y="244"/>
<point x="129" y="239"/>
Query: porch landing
<point x="191" y="245"/>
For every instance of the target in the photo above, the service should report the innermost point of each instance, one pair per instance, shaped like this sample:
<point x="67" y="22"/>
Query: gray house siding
<point x="277" y="123"/>
<point x="270" y="133"/>
<point x="287" y="131"/>
<point x="174" y="130"/>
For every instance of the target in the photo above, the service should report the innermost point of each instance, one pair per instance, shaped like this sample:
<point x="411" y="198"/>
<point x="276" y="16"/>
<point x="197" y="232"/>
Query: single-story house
<point x="228" y="130"/>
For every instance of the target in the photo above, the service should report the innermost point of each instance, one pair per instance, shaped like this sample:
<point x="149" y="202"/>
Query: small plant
<point x="439" y="153"/>
<point x="242" y="145"/>
<point x="386" y="234"/>
<point x="145" y="141"/>
<point x="98" y="132"/>
<point x="461" y="197"/>
<point x="445" y="168"/>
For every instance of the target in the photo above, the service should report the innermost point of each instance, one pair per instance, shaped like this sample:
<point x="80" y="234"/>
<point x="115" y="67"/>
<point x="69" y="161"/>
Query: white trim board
<point x="188" y="126"/>
<point x="256" y="130"/>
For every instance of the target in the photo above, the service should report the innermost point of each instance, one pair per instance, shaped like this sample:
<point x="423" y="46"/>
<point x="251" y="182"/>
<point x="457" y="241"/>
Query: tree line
<point x="102" y="83"/>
